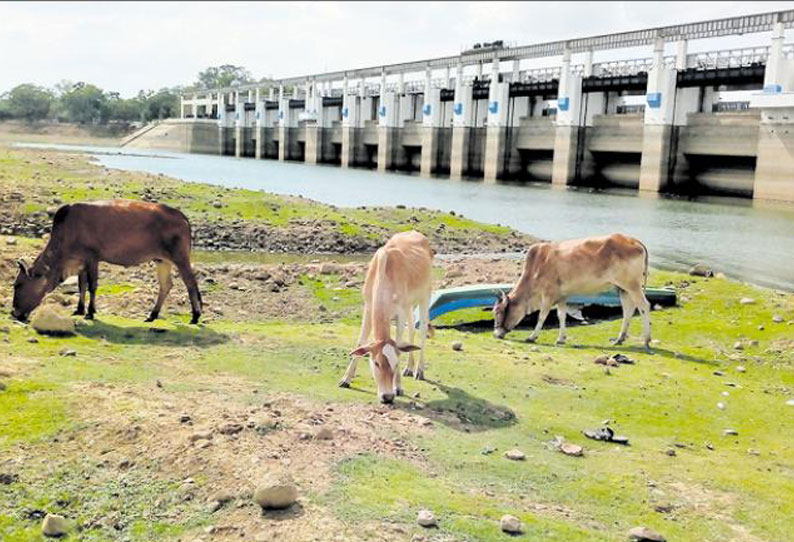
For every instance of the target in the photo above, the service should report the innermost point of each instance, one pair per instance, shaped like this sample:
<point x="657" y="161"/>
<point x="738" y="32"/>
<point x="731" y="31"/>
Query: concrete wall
<point x="179" y="135"/>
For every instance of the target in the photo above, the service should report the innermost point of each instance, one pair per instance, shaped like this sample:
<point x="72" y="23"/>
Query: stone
<point x="777" y="319"/>
<point x="230" y="428"/>
<point x="730" y="432"/>
<point x="738" y="345"/>
<point x="68" y="353"/>
<point x="54" y="525"/>
<point x="571" y="449"/>
<point x="747" y="301"/>
<point x="325" y="433"/>
<point x="425" y="518"/>
<point x="276" y="492"/>
<point x="217" y="204"/>
<point x="11" y="241"/>
<point x="47" y="321"/>
<point x="741" y="369"/>
<point x="790" y="402"/>
<point x="701" y="270"/>
<point x="510" y="524"/>
<point x="644" y="534"/>
<point x="200" y="435"/>
<point x="457" y="346"/>
<point x="601" y="360"/>
<point x="515" y="455"/>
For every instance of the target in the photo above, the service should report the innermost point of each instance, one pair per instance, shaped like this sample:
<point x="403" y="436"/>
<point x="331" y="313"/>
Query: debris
<point x="605" y="434"/>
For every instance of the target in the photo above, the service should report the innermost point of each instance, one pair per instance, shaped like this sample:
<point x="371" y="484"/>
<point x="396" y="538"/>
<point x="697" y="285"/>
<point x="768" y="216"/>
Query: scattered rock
<point x="510" y="524"/>
<point x="747" y="301"/>
<point x="515" y="455"/>
<point x="325" y="433"/>
<point x="7" y="479"/>
<point x="276" y="492"/>
<point x="68" y="353"/>
<point x="730" y="432"/>
<point x="47" y="321"/>
<point x="11" y="241"/>
<point x="741" y="369"/>
<point x="777" y="319"/>
<point x="230" y="428"/>
<point x="671" y="452"/>
<point x="217" y="204"/>
<point x="425" y="518"/>
<point x="701" y="270"/>
<point x="738" y="345"/>
<point x="644" y="534"/>
<point x="200" y="435"/>
<point x="571" y="449"/>
<point x="457" y="346"/>
<point x="54" y="525"/>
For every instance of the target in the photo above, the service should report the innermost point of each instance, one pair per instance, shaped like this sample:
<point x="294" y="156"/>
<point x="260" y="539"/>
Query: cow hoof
<point x="399" y="391"/>
<point x="420" y="375"/>
<point x="89" y="316"/>
<point x="78" y="312"/>
<point x="194" y="320"/>
<point x="151" y="319"/>
<point x="560" y="342"/>
<point x="617" y="341"/>
<point x="408" y="372"/>
<point x="344" y="384"/>
<point x="531" y="339"/>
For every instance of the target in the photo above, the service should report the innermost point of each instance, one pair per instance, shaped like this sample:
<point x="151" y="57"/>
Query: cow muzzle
<point x="387" y="398"/>
<point x="21" y="316"/>
<point x="499" y="333"/>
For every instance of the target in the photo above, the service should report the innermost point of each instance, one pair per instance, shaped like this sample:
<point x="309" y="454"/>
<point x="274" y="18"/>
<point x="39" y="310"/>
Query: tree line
<point x="85" y="103"/>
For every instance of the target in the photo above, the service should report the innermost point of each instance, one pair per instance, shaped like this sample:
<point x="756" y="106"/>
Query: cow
<point x="398" y="279"/>
<point x="119" y="232"/>
<point x="555" y="271"/>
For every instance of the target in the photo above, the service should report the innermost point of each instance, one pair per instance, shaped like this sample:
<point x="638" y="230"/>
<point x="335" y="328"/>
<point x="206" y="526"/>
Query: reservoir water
<point x="744" y="240"/>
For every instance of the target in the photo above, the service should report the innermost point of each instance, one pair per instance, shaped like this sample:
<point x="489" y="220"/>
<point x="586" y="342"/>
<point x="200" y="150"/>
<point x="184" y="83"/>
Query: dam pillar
<point x="351" y="116"/>
<point x="225" y="125"/>
<point x="774" y="169"/>
<point x="388" y="123"/>
<point x="496" y="131"/>
<point x="657" y="133"/>
<point x="462" y="116"/>
<point x="286" y="125"/>
<point x="239" y="121"/>
<point x="431" y="123"/>
<point x="259" y="127"/>
<point x="568" y="125"/>
<point x="314" y="125"/>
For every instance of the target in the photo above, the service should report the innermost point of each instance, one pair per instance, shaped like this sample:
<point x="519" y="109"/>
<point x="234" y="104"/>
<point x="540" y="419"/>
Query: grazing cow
<point x="119" y="232"/>
<point x="554" y="271"/>
<point x="398" y="279"/>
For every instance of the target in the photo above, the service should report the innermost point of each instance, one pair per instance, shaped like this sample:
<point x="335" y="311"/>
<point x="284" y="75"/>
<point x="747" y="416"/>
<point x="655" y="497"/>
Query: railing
<point x="731" y="58"/>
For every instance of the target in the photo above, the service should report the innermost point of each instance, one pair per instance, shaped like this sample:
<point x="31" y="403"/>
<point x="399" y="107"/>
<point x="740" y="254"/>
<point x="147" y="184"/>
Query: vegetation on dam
<point x="162" y="431"/>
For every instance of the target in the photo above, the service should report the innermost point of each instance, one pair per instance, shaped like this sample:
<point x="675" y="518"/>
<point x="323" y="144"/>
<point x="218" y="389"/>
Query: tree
<point x="226" y="75"/>
<point x="124" y="109"/>
<point x="28" y="102"/>
<point x="85" y="103"/>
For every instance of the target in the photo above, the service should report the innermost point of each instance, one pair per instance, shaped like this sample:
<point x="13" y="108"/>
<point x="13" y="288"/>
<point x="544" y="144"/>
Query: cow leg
<point x="164" y="278"/>
<point x="409" y="367"/>
<point x="424" y="314"/>
<point x="398" y="337"/>
<point x="186" y="272"/>
<point x="561" y="314"/>
<point x="638" y="296"/>
<point x="363" y="335"/>
<point x="92" y="277"/>
<point x="82" y="285"/>
<point x="628" y="311"/>
<point x="544" y="313"/>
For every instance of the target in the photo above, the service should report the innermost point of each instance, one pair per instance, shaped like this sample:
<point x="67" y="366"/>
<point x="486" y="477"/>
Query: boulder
<point x="515" y="455"/>
<point x="644" y="534"/>
<point x="701" y="270"/>
<point x="457" y="346"/>
<point x="425" y="518"/>
<point x="54" y="525"/>
<point x="510" y="524"/>
<point x="276" y="492"/>
<point x="47" y="321"/>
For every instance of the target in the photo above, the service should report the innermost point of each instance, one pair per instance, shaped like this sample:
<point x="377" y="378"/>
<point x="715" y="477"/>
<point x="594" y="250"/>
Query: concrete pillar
<point x="568" y="124"/>
<point x="496" y="131"/>
<point x="350" y="125"/>
<point x="431" y="123"/>
<point x="774" y="169"/>
<point x="462" y="116"/>
<point x="259" y="126"/>
<point x="286" y="121"/>
<point x="314" y="125"/>
<point x="388" y="122"/>
<point x="239" y="120"/>
<point x="221" y="123"/>
<point x="657" y="131"/>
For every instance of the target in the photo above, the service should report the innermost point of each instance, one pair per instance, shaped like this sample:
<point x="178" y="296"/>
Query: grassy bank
<point x="64" y="133"/>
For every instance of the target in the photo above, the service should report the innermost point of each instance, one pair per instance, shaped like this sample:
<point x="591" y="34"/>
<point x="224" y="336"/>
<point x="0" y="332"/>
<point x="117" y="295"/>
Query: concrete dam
<point x="718" y="122"/>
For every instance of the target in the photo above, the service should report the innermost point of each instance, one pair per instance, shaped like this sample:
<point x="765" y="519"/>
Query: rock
<point x="200" y="435"/>
<point x="230" y="428"/>
<point x="790" y="402"/>
<point x="217" y="204"/>
<point x="47" y="321"/>
<point x="457" y="346"/>
<point x="571" y="449"/>
<point x="54" y="525"/>
<point x="515" y="455"/>
<point x="701" y="270"/>
<point x="68" y="353"/>
<point x="644" y="534"/>
<point x="777" y="319"/>
<point x="425" y="518"/>
<point x="738" y="345"/>
<point x="324" y="433"/>
<point x="730" y="432"/>
<point x="741" y="369"/>
<point x="721" y="406"/>
<point x="747" y="301"/>
<point x="276" y="492"/>
<point x="11" y="241"/>
<point x="510" y="524"/>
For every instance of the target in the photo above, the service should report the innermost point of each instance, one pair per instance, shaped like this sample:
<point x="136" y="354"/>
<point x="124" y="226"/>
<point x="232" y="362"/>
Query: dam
<point x="715" y="122"/>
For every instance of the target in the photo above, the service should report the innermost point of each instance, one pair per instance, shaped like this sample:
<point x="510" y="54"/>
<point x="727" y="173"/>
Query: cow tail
<point x="190" y="251"/>
<point x="645" y="272"/>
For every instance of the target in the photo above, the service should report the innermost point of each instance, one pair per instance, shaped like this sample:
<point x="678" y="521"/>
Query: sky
<point x="133" y="45"/>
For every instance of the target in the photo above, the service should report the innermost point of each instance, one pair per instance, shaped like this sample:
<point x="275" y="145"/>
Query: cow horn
<point x="23" y="267"/>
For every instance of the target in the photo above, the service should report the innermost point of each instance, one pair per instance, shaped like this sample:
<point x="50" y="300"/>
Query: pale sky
<point x="129" y="46"/>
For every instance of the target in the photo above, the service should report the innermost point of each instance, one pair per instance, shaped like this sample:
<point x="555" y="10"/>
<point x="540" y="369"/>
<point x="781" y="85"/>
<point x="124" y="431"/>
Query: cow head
<point x="30" y="287"/>
<point x="507" y="314"/>
<point x="383" y="360"/>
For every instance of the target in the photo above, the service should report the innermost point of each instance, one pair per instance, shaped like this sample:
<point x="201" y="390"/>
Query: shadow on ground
<point x="179" y="335"/>
<point x="464" y="412"/>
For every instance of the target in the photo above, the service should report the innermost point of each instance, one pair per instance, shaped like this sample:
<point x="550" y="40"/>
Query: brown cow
<point x="398" y="279"/>
<point x="119" y="232"/>
<point x="555" y="271"/>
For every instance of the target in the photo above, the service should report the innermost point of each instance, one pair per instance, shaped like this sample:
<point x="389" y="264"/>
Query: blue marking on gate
<point x="563" y="103"/>
<point x="345" y="112"/>
<point x="280" y="114"/>
<point x="773" y="89"/>
<point x="654" y="100"/>
<point x="458" y="109"/>
<point x="382" y="111"/>
<point x="426" y="109"/>
<point x="493" y="107"/>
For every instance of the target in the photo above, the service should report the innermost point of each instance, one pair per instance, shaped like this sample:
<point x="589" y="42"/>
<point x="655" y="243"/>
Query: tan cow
<point x="555" y="271"/>
<point x="398" y="279"/>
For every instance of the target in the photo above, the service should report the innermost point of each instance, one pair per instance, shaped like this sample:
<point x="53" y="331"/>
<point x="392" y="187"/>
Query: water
<point x="745" y="241"/>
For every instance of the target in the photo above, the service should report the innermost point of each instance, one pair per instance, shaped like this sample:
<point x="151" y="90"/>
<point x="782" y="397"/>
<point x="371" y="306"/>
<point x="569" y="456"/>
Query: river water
<point x="745" y="241"/>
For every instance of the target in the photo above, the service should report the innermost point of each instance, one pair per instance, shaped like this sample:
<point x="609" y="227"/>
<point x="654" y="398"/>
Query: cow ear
<point x="361" y="350"/>
<point x="23" y="267"/>
<point x="407" y="347"/>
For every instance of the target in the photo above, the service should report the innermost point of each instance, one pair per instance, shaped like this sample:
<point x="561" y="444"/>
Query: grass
<point x="494" y="395"/>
